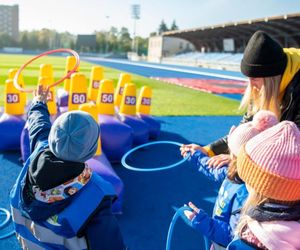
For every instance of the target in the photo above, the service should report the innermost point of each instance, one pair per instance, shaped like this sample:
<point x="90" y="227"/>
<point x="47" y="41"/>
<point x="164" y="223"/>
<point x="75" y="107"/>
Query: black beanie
<point x="263" y="57"/>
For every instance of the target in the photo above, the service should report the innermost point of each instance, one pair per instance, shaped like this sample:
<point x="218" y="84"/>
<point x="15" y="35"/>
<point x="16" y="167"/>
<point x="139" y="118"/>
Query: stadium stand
<point x="221" y="46"/>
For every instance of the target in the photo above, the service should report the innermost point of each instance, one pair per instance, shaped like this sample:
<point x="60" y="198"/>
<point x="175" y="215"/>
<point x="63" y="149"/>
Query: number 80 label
<point x="78" y="98"/>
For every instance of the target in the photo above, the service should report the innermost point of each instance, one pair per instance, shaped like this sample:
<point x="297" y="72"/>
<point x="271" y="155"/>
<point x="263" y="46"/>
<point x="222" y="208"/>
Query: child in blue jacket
<point x="220" y="227"/>
<point x="57" y="201"/>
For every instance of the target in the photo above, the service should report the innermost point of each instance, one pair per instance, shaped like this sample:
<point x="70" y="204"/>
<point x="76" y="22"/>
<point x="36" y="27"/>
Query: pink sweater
<point x="277" y="234"/>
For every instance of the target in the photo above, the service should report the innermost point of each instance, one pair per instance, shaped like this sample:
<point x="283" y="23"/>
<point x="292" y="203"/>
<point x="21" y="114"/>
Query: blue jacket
<point x="220" y="227"/>
<point x="238" y="244"/>
<point x="96" y="225"/>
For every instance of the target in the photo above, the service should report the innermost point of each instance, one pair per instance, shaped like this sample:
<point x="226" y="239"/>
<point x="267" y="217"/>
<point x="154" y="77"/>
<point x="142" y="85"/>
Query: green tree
<point x="6" y="40"/>
<point x="24" y="43"/>
<point x="162" y="27"/>
<point x="124" y="40"/>
<point x="143" y="45"/>
<point x="174" y="26"/>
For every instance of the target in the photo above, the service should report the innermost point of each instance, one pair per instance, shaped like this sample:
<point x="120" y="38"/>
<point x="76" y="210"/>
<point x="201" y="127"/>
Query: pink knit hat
<point x="240" y="135"/>
<point x="270" y="162"/>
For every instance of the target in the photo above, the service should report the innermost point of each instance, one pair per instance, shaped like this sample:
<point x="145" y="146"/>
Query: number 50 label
<point x="107" y="98"/>
<point x="78" y="98"/>
<point x="12" y="98"/>
<point x="130" y="100"/>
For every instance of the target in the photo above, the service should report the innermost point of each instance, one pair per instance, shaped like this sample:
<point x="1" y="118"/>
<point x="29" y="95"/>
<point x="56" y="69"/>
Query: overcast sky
<point x="86" y="16"/>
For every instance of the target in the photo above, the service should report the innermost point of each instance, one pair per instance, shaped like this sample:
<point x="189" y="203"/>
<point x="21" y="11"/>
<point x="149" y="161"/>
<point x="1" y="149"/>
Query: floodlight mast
<point x="135" y="15"/>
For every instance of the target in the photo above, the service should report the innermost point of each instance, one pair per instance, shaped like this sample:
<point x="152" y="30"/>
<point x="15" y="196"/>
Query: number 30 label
<point x="78" y="98"/>
<point x="146" y="101"/>
<point x="130" y="100"/>
<point x="12" y="98"/>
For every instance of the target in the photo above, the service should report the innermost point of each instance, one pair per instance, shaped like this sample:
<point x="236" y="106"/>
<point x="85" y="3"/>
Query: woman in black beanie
<point x="274" y="84"/>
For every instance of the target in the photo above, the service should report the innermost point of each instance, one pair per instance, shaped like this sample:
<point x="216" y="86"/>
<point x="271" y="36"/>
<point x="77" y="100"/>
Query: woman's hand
<point x="41" y="94"/>
<point x="191" y="148"/>
<point x="191" y="214"/>
<point x="219" y="161"/>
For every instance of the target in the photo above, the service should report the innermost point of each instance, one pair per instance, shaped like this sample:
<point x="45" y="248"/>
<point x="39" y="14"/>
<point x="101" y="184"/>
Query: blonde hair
<point x="266" y="98"/>
<point x="254" y="200"/>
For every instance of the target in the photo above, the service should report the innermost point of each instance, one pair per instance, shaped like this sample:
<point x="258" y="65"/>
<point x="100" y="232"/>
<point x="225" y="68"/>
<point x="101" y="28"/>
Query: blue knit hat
<point x="74" y="136"/>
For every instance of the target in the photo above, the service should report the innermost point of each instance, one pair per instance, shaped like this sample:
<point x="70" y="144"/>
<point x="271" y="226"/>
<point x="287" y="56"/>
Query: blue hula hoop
<point x="172" y="225"/>
<point x="123" y="161"/>
<point x="7" y="218"/>
<point x="5" y="222"/>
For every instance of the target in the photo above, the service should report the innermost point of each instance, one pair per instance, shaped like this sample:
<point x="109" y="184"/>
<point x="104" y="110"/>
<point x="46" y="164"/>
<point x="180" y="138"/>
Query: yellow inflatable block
<point x="71" y="61"/>
<point x="78" y="91"/>
<point x="105" y="100"/>
<point x="13" y="103"/>
<point x="92" y="109"/>
<point x="144" y="101"/>
<point x="51" y="103"/>
<point x="11" y="75"/>
<point x="46" y="70"/>
<point x="95" y="79"/>
<point x="123" y="79"/>
<point x="128" y="103"/>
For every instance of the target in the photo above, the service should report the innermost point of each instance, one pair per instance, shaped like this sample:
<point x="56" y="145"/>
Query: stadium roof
<point x="285" y="29"/>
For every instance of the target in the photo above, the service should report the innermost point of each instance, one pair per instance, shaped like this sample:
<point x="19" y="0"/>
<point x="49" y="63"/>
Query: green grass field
<point x="168" y="99"/>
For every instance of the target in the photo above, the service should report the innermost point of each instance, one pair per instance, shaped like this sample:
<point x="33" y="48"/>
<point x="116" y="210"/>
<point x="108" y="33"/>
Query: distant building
<point x="161" y="46"/>
<point x="9" y="20"/>
<point x="86" y="43"/>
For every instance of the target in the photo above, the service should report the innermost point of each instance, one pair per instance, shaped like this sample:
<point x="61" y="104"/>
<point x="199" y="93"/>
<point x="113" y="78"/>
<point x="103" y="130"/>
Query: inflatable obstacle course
<point x="127" y="115"/>
<point x="105" y="99"/>
<point x="143" y="111"/>
<point x="78" y="91"/>
<point x="95" y="79"/>
<point x="123" y="79"/>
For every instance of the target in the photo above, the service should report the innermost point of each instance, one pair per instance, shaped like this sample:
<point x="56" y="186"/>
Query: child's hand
<point x="191" y="214"/>
<point x="218" y="161"/>
<point x="191" y="148"/>
<point x="41" y="94"/>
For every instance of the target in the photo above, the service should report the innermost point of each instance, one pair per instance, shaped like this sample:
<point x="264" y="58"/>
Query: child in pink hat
<point x="269" y="164"/>
<point x="220" y="227"/>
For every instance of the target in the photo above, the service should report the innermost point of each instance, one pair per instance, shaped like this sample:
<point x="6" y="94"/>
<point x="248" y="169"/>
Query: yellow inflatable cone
<point x="51" y="103"/>
<point x="105" y="100"/>
<point x="92" y="109"/>
<point x="71" y="61"/>
<point x="144" y="101"/>
<point x="46" y="70"/>
<point x="95" y="79"/>
<point x="128" y="103"/>
<point x="78" y="91"/>
<point x="14" y="103"/>
<point x="123" y="79"/>
<point x="11" y="75"/>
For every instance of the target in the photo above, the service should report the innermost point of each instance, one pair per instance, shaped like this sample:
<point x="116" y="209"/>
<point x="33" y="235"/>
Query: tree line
<point x="115" y="40"/>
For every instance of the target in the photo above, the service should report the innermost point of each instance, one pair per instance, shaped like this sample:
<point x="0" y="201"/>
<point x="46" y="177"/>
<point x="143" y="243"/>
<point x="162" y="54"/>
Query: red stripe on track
<point x="217" y="86"/>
